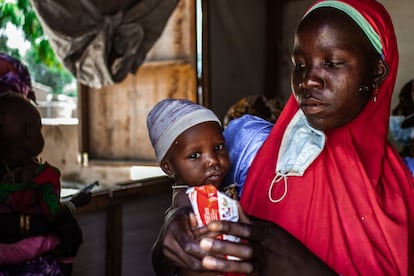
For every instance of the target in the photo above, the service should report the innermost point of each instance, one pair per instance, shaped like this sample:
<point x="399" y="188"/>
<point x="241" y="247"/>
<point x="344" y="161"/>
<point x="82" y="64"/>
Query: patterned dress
<point x="41" y="195"/>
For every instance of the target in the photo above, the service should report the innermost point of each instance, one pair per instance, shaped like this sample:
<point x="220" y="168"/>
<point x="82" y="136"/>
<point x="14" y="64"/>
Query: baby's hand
<point x="242" y="215"/>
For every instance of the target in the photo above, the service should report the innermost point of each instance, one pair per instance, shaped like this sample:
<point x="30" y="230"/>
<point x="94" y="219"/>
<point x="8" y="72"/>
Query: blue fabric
<point x="401" y="135"/>
<point x="244" y="136"/>
<point x="409" y="161"/>
<point x="301" y="145"/>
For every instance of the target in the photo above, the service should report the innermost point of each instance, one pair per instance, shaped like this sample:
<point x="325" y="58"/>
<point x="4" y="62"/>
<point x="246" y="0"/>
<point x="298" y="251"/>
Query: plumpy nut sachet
<point x="209" y="204"/>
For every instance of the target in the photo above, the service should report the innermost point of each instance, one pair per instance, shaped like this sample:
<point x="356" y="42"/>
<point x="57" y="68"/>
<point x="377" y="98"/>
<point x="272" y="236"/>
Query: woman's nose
<point x="312" y="78"/>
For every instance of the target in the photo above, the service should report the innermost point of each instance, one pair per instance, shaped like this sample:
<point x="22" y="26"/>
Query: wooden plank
<point x="177" y="42"/>
<point x="117" y="127"/>
<point x="119" y="194"/>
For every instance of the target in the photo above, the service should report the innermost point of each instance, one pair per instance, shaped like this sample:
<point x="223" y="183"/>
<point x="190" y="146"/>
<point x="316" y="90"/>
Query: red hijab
<point x="354" y="205"/>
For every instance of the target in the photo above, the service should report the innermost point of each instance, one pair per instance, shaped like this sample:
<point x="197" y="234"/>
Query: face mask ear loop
<point x="275" y="179"/>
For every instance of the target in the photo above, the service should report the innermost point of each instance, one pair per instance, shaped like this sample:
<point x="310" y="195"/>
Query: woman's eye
<point x="195" y="155"/>
<point x="332" y="64"/>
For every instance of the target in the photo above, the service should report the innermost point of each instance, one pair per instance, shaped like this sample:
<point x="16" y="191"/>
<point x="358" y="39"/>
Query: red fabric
<point x="354" y="206"/>
<point x="41" y="195"/>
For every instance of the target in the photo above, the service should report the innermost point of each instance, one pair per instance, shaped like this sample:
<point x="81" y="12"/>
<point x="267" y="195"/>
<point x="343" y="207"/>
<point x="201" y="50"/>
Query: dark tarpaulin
<point x="101" y="41"/>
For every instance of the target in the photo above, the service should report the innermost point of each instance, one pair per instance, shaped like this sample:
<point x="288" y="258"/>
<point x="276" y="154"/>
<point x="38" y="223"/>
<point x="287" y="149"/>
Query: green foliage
<point x="52" y="77"/>
<point x="43" y="64"/>
<point x="5" y="49"/>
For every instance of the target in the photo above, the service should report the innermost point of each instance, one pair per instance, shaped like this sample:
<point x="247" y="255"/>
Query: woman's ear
<point x="381" y="72"/>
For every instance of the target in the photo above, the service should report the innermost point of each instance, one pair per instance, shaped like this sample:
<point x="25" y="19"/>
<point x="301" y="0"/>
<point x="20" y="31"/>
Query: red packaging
<point x="209" y="204"/>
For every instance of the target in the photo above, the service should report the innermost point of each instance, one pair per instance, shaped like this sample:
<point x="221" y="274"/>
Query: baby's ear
<point x="28" y="132"/>
<point x="166" y="167"/>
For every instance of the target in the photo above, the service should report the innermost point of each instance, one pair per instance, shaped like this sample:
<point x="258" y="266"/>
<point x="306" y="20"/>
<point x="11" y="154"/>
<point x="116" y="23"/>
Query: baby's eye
<point x="219" y="147"/>
<point x="195" y="155"/>
<point x="298" y="66"/>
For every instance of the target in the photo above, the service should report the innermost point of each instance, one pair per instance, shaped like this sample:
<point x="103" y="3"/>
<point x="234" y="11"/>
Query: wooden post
<point x="114" y="240"/>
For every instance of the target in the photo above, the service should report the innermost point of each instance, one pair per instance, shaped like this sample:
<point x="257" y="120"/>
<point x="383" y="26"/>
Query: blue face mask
<point x="401" y="135"/>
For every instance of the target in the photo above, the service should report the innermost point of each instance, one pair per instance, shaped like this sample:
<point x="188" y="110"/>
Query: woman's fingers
<point x="234" y="253"/>
<point x="193" y="220"/>
<point x="241" y="251"/>
<point x="222" y="265"/>
<point x="240" y="230"/>
<point x="182" y="259"/>
<point x="179" y="244"/>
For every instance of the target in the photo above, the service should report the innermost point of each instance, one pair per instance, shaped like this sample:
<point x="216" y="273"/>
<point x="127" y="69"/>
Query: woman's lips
<point x="312" y="106"/>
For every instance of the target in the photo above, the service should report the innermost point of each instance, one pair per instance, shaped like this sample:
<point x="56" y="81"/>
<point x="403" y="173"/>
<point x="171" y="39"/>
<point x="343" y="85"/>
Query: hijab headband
<point x="373" y="37"/>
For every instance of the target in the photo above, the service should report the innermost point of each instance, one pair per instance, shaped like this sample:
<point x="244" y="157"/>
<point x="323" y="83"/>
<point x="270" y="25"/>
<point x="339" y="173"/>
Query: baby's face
<point x="198" y="156"/>
<point x="37" y="141"/>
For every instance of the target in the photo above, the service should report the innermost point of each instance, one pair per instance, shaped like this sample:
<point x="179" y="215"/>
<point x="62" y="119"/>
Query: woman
<point x="326" y="173"/>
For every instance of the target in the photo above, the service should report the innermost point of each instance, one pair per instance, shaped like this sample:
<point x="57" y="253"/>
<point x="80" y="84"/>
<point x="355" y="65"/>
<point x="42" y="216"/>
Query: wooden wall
<point x="113" y="120"/>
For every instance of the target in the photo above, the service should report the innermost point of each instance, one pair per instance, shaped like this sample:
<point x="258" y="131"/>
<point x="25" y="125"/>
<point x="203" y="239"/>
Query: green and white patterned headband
<point x="357" y="17"/>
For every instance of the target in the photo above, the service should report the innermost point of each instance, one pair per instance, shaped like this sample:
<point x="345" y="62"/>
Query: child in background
<point x="189" y="146"/>
<point x="28" y="187"/>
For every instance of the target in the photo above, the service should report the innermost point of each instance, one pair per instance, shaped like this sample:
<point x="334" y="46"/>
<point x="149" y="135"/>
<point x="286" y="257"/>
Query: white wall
<point x="402" y="14"/>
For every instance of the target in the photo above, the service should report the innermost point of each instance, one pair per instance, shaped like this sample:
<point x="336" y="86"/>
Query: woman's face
<point x="198" y="156"/>
<point x="331" y="63"/>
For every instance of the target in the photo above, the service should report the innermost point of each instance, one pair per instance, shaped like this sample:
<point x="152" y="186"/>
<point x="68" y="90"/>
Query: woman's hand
<point x="177" y="246"/>
<point x="270" y="251"/>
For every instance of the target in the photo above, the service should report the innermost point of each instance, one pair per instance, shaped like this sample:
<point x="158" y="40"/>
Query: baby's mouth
<point x="214" y="176"/>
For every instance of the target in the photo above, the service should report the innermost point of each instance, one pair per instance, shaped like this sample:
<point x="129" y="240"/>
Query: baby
<point x="189" y="146"/>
